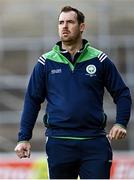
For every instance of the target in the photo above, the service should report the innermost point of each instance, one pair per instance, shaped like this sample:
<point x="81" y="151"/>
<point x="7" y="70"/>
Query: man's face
<point x="69" y="29"/>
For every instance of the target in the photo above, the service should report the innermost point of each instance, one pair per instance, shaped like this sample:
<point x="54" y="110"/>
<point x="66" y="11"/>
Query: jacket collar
<point x="58" y="47"/>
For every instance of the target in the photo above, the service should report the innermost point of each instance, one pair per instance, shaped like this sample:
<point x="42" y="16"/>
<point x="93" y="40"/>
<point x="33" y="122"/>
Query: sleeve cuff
<point x="19" y="142"/>
<point x="122" y="126"/>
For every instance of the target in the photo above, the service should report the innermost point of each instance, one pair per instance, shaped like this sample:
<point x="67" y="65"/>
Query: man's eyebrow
<point x="66" y="20"/>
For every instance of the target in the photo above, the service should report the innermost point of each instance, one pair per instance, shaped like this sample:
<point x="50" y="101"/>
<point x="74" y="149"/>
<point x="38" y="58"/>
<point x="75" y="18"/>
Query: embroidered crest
<point x="91" y="69"/>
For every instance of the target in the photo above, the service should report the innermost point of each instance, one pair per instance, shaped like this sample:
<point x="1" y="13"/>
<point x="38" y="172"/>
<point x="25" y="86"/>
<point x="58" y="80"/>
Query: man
<point x="72" y="77"/>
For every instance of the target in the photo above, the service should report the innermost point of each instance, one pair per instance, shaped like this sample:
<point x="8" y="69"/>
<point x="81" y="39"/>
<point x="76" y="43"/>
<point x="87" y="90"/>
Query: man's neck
<point x="72" y="48"/>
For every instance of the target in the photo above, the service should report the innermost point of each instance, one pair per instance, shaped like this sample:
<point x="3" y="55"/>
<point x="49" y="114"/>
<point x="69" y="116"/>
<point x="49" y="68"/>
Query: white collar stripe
<point x="103" y="58"/>
<point x="101" y="55"/>
<point x="64" y="51"/>
<point x="41" y="61"/>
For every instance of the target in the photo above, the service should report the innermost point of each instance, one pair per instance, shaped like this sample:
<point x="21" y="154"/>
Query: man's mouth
<point x="65" y="32"/>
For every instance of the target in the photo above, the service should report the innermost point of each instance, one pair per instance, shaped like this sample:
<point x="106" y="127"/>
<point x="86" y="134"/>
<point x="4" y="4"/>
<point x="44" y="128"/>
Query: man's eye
<point x="70" y="21"/>
<point x="61" y="22"/>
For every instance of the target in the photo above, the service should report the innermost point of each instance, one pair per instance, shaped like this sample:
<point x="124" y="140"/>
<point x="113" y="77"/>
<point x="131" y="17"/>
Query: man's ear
<point x="82" y="27"/>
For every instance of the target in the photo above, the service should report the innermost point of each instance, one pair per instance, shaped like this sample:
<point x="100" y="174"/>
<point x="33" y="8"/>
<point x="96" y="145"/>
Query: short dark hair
<point x="80" y="15"/>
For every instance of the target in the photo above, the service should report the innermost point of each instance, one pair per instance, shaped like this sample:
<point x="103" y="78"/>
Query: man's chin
<point x="66" y="39"/>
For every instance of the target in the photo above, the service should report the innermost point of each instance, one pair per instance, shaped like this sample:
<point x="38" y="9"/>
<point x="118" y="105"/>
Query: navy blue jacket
<point x="74" y="94"/>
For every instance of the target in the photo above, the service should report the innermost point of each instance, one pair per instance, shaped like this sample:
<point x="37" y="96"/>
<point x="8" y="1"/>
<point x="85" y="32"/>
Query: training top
<point x="74" y="93"/>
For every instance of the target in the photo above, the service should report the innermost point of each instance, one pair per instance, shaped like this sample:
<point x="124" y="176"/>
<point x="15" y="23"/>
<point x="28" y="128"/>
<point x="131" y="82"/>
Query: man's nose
<point x="65" y="25"/>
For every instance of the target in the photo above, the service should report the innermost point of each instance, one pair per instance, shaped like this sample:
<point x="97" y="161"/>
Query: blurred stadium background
<point x="29" y="28"/>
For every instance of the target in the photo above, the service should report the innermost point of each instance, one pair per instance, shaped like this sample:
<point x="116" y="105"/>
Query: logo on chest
<point x="91" y="70"/>
<point x="56" y="71"/>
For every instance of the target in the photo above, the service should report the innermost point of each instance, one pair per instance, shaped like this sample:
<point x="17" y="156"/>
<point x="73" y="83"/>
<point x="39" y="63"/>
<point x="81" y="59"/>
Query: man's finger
<point x="117" y="134"/>
<point x="112" y="134"/>
<point x="27" y="153"/>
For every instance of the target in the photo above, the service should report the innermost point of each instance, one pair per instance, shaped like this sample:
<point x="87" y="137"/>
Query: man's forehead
<point x="71" y="15"/>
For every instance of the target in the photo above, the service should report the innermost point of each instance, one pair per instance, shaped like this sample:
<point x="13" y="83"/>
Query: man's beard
<point x="67" y="40"/>
<point x="70" y="40"/>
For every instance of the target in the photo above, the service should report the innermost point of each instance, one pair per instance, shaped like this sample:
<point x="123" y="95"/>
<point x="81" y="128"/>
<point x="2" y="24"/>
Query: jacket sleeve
<point x="35" y="95"/>
<point x="119" y="92"/>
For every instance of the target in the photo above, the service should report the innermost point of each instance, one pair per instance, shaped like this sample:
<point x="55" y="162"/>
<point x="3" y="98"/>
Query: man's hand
<point x="117" y="132"/>
<point x="23" y="149"/>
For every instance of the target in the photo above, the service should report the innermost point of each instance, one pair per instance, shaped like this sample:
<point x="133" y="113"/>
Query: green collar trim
<point x="58" y="57"/>
<point x="88" y="53"/>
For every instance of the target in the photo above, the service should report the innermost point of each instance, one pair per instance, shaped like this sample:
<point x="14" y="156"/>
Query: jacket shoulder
<point x="48" y="55"/>
<point x="54" y="56"/>
<point x="98" y="53"/>
<point x="95" y="52"/>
